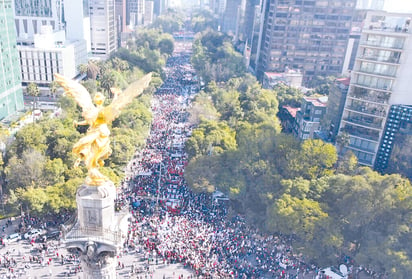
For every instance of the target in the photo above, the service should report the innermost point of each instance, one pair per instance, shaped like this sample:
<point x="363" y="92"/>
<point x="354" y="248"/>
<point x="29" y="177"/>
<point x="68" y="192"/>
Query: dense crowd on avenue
<point x="170" y="223"/>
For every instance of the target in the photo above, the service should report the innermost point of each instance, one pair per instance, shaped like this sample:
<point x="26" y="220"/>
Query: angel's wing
<point x="126" y="97"/>
<point x="80" y="95"/>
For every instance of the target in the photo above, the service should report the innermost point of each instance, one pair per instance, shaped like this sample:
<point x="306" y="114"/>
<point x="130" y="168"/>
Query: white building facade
<point x="381" y="78"/>
<point x="51" y="54"/>
<point x="103" y="36"/>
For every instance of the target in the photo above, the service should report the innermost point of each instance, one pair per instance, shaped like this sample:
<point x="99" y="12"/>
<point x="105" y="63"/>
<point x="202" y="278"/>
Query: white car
<point x="334" y="273"/>
<point x="32" y="234"/>
<point x="13" y="237"/>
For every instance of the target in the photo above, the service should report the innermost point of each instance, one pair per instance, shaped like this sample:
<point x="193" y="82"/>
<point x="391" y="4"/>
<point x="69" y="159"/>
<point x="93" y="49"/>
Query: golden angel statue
<point x="94" y="147"/>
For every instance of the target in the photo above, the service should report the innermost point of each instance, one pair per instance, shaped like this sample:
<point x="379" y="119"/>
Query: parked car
<point x="334" y="273"/>
<point x="55" y="234"/>
<point x="13" y="237"/>
<point x="32" y="234"/>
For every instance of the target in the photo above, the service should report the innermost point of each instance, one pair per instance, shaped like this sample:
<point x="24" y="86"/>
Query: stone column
<point x="96" y="234"/>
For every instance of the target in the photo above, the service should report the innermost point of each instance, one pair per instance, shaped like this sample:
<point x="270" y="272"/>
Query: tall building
<point x="31" y="15"/>
<point x="308" y="35"/>
<point x="11" y="94"/>
<point x="135" y="12"/>
<point x="103" y="35"/>
<point x="232" y="17"/>
<point x="255" y="14"/>
<point x="334" y="109"/>
<point x="377" y="4"/>
<point x="160" y="6"/>
<point x="249" y="20"/>
<point x="380" y="79"/>
<point x="51" y="38"/>
<point x="353" y="41"/>
<point x="148" y="13"/>
<point x="77" y="21"/>
<point x="121" y="15"/>
<point x="370" y="4"/>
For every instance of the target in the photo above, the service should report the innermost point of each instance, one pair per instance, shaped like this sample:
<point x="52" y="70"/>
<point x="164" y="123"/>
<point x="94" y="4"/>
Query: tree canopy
<point x="215" y="59"/>
<point x="330" y="206"/>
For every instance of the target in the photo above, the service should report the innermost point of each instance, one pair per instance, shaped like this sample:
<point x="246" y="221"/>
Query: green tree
<point x="166" y="45"/>
<point x="119" y="64"/>
<point x="83" y="68"/>
<point x="33" y="90"/>
<point x="210" y="138"/>
<point x="63" y="195"/>
<point x="53" y="171"/>
<point x="214" y="57"/>
<point x="203" y="20"/>
<point x="168" y="23"/>
<point x="54" y="86"/>
<point x="291" y="215"/>
<point x="107" y="80"/>
<point x="288" y="95"/>
<point x="25" y="171"/>
<point x="202" y="108"/>
<point x="316" y="158"/>
<point x="32" y="199"/>
<point x="30" y="137"/>
<point x="93" y="69"/>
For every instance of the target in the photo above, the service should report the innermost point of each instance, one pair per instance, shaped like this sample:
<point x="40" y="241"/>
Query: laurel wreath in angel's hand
<point x="94" y="147"/>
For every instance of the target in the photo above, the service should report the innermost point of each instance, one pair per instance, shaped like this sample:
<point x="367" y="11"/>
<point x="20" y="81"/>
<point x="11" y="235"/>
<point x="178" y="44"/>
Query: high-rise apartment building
<point x="103" y="33"/>
<point x="148" y="13"/>
<point x="380" y="79"/>
<point x="307" y="35"/>
<point x="336" y="101"/>
<point x="120" y="8"/>
<point x="160" y="6"/>
<point x="252" y="8"/>
<point x="11" y="95"/>
<point x="135" y="12"/>
<point x="233" y="16"/>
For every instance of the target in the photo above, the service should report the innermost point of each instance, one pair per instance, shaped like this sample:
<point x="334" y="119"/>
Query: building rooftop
<point x="317" y="101"/>
<point x="344" y="81"/>
<point x="291" y="110"/>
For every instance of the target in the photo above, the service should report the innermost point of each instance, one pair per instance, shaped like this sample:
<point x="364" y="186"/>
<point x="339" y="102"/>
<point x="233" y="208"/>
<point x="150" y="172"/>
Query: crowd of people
<point x="172" y="223"/>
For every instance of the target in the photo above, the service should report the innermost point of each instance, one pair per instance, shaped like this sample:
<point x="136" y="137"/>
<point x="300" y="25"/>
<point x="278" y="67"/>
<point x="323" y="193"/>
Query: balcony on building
<point x="396" y="45"/>
<point x="364" y="108"/>
<point x="376" y="69"/>
<point x="369" y="94"/>
<point x="364" y="121"/>
<point x="360" y="131"/>
<point x="391" y="60"/>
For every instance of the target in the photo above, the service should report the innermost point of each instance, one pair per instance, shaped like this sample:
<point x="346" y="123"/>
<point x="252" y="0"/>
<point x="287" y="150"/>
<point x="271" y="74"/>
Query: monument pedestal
<point x="98" y="233"/>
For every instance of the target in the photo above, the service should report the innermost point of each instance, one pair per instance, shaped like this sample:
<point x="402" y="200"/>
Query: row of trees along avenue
<point x="331" y="207"/>
<point x="37" y="168"/>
